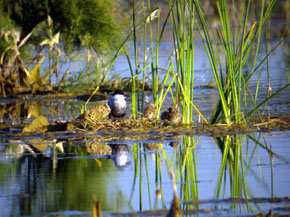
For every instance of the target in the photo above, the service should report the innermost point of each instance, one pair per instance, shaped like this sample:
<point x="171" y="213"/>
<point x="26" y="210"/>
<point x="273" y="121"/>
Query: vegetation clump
<point x="32" y="31"/>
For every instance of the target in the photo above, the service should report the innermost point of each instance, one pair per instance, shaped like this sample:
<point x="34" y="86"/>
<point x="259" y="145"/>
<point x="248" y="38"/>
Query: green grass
<point x="236" y="47"/>
<point x="183" y="41"/>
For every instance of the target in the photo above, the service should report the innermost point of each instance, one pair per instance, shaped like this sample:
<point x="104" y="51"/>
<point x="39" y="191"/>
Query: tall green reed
<point x="148" y="16"/>
<point x="180" y="83"/>
<point x="158" y="98"/>
<point x="188" y="170"/>
<point x="182" y="30"/>
<point x="183" y="77"/>
<point x="236" y="165"/>
<point x="236" y="48"/>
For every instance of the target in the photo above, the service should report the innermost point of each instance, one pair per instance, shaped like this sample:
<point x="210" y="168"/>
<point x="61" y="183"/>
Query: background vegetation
<point x="33" y="30"/>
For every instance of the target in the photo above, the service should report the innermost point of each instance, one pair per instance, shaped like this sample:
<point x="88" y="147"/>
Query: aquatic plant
<point x="187" y="164"/>
<point x="29" y="32"/>
<point x="179" y="75"/>
<point x="16" y="76"/>
<point x="236" y="48"/>
<point x="236" y="164"/>
<point x="183" y="40"/>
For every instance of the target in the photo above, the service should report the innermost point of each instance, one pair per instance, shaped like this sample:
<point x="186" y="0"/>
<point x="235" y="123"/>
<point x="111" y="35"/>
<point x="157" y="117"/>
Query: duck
<point x="117" y="104"/>
<point x="150" y="112"/>
<point x="171" y="115"/>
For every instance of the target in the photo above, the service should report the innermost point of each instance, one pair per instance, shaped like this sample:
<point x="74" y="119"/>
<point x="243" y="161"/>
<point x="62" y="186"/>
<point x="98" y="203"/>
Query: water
<point x="65" y="183"/>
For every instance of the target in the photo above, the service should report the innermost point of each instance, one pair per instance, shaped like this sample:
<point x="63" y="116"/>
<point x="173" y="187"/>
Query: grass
<point x="183" y="40"/>
<point x="236" y="47"/>
<point x="180" y="84"/>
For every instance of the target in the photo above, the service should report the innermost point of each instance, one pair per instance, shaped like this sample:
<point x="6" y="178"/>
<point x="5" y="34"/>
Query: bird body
<point x="172" y="115"/>
<point x="118" y="105"/>
<point x="150" y="112"/>
<point x="99" y="112"/>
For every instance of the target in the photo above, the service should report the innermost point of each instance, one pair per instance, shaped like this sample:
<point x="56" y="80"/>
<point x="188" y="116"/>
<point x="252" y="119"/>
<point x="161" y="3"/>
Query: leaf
<point x="49" y="21"/>
<point x="37" y="125"/>
<point x="64" y="76"/>
<point x="24" y="40"/>
<point x="55" y="39"/>
<point x="51" y="41"/>
<point x="153" y="15"/>
<point x="99" y="163"/>
<point x="45" y="42"/>
<point x="35" y="72"/>
<point x="34" y="110"/>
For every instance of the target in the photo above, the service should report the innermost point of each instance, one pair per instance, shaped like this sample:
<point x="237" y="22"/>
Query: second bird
<point x="117" y="104"/>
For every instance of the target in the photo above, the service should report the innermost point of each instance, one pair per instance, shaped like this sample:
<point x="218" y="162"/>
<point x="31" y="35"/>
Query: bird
<point x="171" y="115"/>
<point x="98" y="112"/>
<point x="117" y="104"/>
<point x="150" y="112"/>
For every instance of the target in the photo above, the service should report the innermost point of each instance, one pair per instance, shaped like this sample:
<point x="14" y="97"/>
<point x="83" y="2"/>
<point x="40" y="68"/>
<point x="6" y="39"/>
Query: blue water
<point x="64" y="183"/>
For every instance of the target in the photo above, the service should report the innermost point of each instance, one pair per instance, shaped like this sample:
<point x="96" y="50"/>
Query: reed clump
<point x="234" y="45"/>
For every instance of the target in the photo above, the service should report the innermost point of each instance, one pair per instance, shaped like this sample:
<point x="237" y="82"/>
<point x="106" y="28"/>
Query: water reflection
<point x="125" y="177"/>
<point x="68" y="186"/>
<point x="120" y="155"/>
<point x="12" y="111"/>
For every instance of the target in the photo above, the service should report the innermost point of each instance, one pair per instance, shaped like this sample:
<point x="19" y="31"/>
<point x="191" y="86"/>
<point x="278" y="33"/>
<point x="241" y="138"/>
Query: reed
<point x="188" y="171"/>
<point x="236" y="165"/>
<point x="181" y="71"/>
<point x="236" y="48"/>
<point x="232" y="165"/>
<point x="183" y="41"/>
<point x="180" y="83"/>
<point x="158" y="97"/>
<point x="185" y="168"/>
<point x="136" y="71"/>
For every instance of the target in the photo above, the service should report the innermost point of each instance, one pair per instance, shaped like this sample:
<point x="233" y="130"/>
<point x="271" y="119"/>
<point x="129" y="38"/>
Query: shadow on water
<point x="230" y="175"/>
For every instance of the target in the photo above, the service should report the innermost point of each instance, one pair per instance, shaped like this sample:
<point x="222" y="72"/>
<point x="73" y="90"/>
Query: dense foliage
<point x="32" y="31"/>
<point x="82" y="23"/>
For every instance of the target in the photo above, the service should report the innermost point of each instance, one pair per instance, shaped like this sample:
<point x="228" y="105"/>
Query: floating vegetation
<point x="142" y="128"/>
<point x="127" y="129"/>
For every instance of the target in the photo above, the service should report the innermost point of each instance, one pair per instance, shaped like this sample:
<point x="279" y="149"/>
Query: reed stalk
<point x="236" y="47"/>
<point x="148" y="179"/>
<point x="183" y="40"/>
<point x="231" y="147"/>
<point x="134" y="75"/>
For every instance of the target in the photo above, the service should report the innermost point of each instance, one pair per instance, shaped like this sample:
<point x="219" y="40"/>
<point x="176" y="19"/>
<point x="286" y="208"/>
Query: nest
<point x="123" y="124"/>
